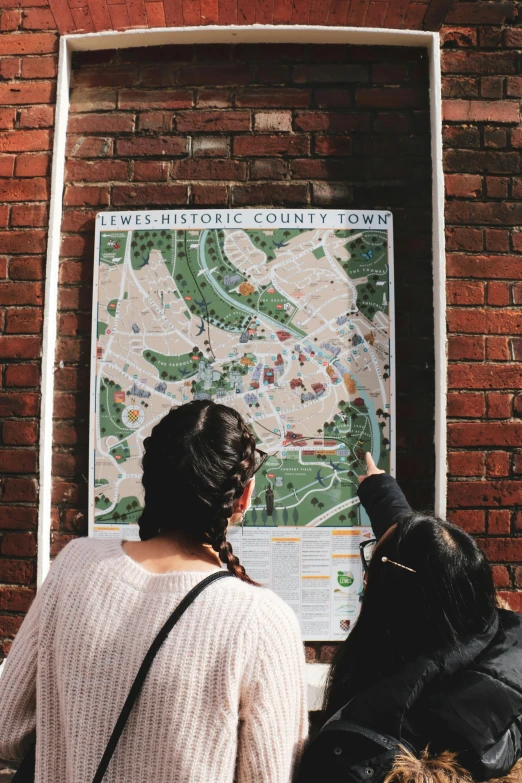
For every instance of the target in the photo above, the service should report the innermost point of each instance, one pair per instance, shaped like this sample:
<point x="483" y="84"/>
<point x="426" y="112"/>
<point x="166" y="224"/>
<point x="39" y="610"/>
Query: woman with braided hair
<point x="225" y="698"/>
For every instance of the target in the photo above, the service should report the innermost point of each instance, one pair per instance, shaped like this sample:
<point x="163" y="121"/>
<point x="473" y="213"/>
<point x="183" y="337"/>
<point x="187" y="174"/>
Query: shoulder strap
<point x="145" y="666"/>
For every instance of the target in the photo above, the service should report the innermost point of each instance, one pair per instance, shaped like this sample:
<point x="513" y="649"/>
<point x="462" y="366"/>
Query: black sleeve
<point x="383" y="501"/>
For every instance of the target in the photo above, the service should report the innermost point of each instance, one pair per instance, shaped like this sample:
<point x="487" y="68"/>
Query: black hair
<point x="197" y="462"/>
<point x="451" y="596"/>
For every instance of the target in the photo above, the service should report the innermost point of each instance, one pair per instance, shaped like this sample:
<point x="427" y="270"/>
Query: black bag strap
<point x="145" y="666"/>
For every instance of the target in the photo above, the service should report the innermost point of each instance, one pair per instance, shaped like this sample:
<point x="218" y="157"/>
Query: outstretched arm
<point x="382" y="498"/>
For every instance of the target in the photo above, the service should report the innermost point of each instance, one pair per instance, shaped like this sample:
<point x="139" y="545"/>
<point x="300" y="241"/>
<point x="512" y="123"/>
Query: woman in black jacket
<point x="432" y="660"/>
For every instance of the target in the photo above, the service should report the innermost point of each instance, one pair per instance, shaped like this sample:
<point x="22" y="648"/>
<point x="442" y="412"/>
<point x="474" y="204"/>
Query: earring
<point x="243" y="513"/>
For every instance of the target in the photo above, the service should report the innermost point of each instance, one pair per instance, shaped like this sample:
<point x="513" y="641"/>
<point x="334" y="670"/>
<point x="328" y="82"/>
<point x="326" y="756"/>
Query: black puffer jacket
<point x="466" y="699"/>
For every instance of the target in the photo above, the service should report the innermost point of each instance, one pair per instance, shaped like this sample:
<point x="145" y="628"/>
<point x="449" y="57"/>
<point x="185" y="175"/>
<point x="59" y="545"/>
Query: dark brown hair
<point x="197" y="462"/>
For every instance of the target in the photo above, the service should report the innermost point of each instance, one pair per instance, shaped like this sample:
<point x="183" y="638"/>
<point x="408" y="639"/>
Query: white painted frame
<point x="232" y="35"/>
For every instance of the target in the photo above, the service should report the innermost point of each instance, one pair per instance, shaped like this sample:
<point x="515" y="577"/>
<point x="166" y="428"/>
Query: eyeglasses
<point x="260" y="459"/>
<point x="366" y="550"/>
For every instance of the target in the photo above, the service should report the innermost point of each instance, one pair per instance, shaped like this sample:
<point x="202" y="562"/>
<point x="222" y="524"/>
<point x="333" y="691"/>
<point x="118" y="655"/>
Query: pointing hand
<point x="371" y="468"/>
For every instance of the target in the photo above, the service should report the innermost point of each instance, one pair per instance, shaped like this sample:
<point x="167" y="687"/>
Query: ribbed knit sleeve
<point x="273" y="711"/>
<point x="18" y="682"/>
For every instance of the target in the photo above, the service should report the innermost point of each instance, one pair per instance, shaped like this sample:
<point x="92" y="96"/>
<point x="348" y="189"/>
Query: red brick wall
<point x="483" y="138"/>
<point x="483" y="141"/>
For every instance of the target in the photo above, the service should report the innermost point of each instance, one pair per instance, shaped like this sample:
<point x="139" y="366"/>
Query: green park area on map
<point x="290" y="326"/>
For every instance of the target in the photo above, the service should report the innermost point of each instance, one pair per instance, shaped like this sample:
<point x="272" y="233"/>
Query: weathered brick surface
<point x="482" y="132"/>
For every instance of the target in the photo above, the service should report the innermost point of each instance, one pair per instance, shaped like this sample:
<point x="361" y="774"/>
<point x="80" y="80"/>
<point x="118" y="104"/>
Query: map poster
<point x="286" y="315"/>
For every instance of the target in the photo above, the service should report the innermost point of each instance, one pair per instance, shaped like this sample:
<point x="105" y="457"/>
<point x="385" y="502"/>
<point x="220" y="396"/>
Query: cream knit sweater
<point x="224" y="701"/>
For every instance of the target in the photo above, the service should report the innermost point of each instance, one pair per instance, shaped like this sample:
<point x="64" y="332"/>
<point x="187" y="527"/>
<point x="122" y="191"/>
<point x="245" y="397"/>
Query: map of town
<point x="292" y="326"/>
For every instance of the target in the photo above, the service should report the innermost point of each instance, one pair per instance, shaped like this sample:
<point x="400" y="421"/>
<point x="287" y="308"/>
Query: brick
<point x="267" y="121"/>
<point x="331" y="121"/>
<point x="17" y="572"/>
<point x="157" y="121"/>
<point x="333" y="99"/>
<point x="39" y="67"/>
<point x="473" y="521"/>
<point x="470" y="348"/>
<point x="220" y="121"/>
<point x="492" y="86"/>
<point x="211" y="146"/>
<point x="281" y="97"/>
<point x="84" y="99"/>
<point x="7" y="163"/>
<point x="115" y="76"/>
<point x="499" y="521"/>
<point x="491" y="433"/>
<point x="331" y="193"/>
<point x="151" y="170"/>
<point x="26" y="268"/>
<point x="271" y="145"/>
<point x="12" y="347"/>
<point x="465" y="293"/>
<point x="333" y="145"/>
<point x="214" y="99"/>
<point x="208" y="194"/>
<point x="201" y="168"/>
<point x="497" y="349"/>
<point x="496" y="240"/>
<point x="16" y="517"/>
<point x="497" y="465"/>
<point x="484" y="266"/>
<point x="18" y="544"/>
<point x="24" y="321"/>
<point x="114" y="122"/>
<point x="268" y="168"/>
<point x="512" y="599"/>
<point x="460" y="87"/>
<point x="7" y="118"/>
<point x="495" y="138"/>
<point x="513" y="38"/>
<point x="37" y="117"/>
<point x="28" y="43"/>
<point x="480" y="111"/>
<point x="469" y="405"/>
<point x="487" y="162"/>
<point x="517" y="293"/>
<point x="463" y="37"/>
<point x="516" y="345"/>
<point x="485" y="494"/>
<point x="484" y="376"/>
<point x="35" y="189"/>
<point x="9" y="68"/>
<point x="391" y="97"/>
<point x="331" y="73"/>
<point x="498" y="294"/>
<point x="21" y="293"/>
<point x="10" y="20"/>
<point x="97" y="171"/>
<point x="19" y="490"/>
<point x="466" y="137"/>
<point x="466" y="463"/>
<point x="154" y="99"/>
<point x="208" y="75"/>
<point x="284" y="194"/>
<point x="38" y="19"/>
<point x="147" y="145"/>
<point x="33" y="165"/>
<point x="391" y="123"/>
<point x="16" y="599"/>
<point x="149" y="195"/>
<point x="497" y="187"/>
<point x="87" y="195"/>
<point x="89" y="146"/>
<point x="22" y="375"/>
<point x="478" y="62"/>
<point x="27" y="93"/>
<point x="9" y="625"/>
<point x="19" y="433"/>
<point x="501" y="576"/>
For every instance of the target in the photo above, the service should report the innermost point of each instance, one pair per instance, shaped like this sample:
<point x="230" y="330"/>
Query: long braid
<point x="237" y="483"/>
